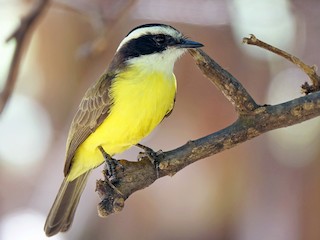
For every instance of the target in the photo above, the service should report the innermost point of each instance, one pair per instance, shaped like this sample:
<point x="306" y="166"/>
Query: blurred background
<point x="267" y="188"/>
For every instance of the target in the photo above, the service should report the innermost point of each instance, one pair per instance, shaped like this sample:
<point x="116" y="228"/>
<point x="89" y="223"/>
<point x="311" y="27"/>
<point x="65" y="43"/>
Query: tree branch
<point x="106" y="31"/>
<point x="309" y="70"/>
<point x="225" y="82"/>
<point x="21" y="36"/>
<point x="253" y="121"/>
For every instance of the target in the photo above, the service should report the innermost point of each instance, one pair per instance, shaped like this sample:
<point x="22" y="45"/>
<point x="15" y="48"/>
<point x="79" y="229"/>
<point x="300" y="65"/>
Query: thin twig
<point x="309" y="70"/>
<point x="21" y="35"/>
<point x="70" y="7"/>
<point x="108" y="28"/>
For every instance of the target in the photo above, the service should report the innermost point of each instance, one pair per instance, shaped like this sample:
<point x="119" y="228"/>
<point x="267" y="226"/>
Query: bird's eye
<point x="170" y="41"/>
<point x="160" y="39"/>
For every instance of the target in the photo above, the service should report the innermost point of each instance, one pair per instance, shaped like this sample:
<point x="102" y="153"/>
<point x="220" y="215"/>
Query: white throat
<point x="162" y="62"/>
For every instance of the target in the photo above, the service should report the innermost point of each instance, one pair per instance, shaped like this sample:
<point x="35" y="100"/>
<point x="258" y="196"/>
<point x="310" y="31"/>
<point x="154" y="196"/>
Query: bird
<point x="134" y="94"/>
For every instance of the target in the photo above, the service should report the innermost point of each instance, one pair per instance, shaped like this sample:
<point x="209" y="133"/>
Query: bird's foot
<point x="151" y="155"/>
<point x="111" y="166"/>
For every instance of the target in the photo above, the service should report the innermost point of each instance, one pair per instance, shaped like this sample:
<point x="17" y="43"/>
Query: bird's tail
<point x="64" y="207"/>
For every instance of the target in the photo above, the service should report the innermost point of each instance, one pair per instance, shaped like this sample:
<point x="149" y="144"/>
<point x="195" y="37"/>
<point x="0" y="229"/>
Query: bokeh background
<point x="267" y="188"/>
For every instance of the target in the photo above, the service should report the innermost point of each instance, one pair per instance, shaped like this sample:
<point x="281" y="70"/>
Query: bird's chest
<point x="140" y="102"/>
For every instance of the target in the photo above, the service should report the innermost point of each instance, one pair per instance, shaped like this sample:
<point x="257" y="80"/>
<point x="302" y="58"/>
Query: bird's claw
<point x="111" y="166"/>
<point x="151" y="155"/>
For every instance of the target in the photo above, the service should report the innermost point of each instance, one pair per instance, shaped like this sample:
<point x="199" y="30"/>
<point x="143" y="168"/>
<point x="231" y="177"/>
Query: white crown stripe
<point x="150" y="30"/>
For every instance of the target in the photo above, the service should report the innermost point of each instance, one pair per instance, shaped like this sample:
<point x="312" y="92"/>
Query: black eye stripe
<point x="165" y="39"/>
<point x="146" y="44"/>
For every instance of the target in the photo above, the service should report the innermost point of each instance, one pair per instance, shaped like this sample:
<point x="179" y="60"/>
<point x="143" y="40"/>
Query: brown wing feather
<point x="92" y="110"/>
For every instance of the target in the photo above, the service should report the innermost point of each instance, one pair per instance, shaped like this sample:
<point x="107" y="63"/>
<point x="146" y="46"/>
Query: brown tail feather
<point x="64" y="207"/>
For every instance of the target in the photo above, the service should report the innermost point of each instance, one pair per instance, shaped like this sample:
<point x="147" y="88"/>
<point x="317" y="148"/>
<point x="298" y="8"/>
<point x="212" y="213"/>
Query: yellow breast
<point x="141" y="99"/>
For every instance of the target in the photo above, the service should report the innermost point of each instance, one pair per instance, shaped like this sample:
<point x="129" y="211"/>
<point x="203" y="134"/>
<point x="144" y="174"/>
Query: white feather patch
<point x="150" y="30"/>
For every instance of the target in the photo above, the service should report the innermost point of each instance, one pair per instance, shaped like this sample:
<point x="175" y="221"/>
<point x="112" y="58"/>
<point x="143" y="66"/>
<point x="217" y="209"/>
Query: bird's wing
<point x="171" y="109"/>
<point x="93" y="109"/>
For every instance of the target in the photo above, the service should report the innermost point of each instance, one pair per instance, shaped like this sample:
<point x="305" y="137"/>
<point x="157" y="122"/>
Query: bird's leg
<point x="151" y="155"/>
<point x="111" y="165"/>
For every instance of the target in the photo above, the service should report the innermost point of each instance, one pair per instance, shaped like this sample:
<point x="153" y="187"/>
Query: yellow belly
<point x="141" y="99"/>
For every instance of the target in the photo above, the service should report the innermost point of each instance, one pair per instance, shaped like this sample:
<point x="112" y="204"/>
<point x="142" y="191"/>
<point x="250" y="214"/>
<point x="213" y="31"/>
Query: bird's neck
<point x="158" y="62"/>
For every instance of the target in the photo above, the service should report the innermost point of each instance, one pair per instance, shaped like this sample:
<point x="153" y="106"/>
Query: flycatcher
<point x="122" y="107"/>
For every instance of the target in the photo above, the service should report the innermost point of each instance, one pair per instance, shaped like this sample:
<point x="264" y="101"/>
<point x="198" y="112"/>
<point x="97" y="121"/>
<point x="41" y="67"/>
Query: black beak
<point x="186" y="43"/>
